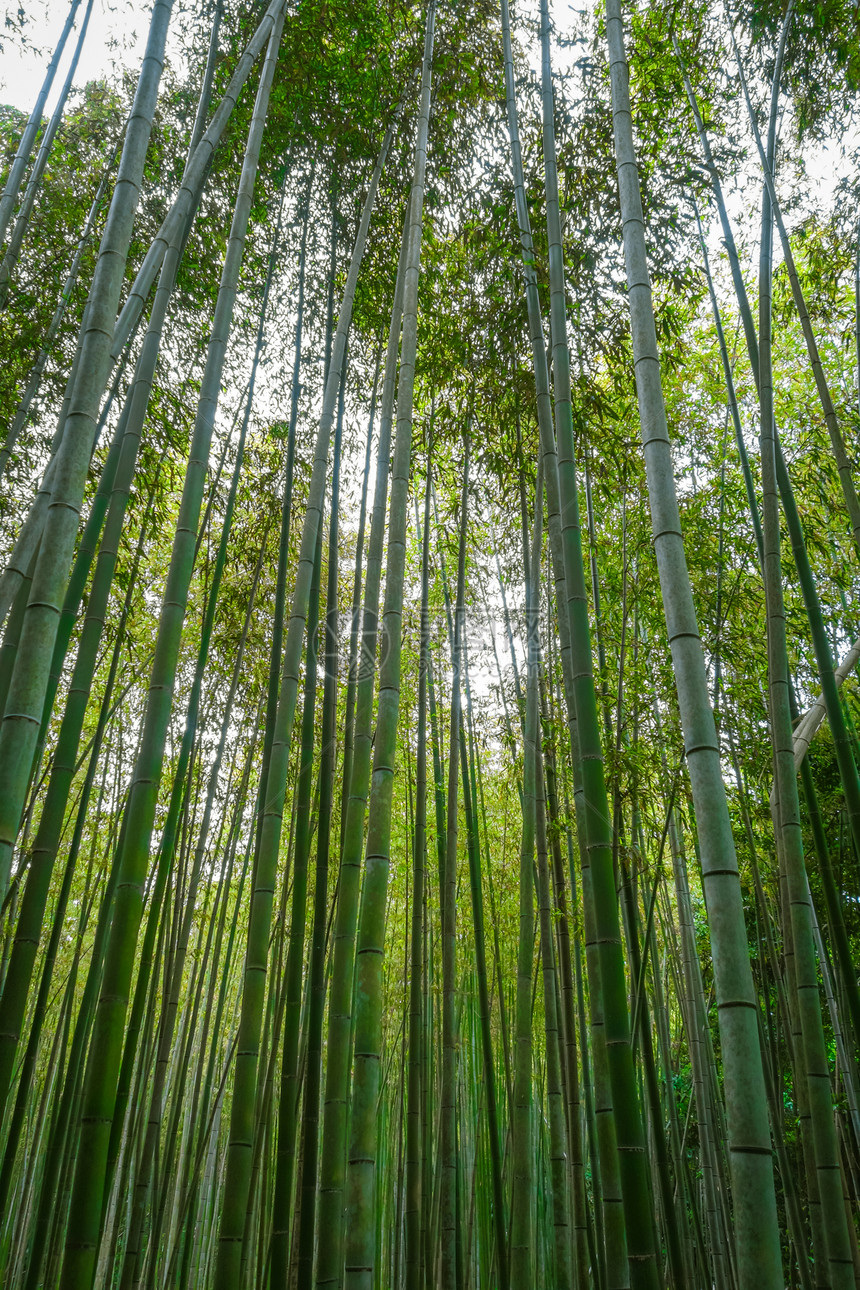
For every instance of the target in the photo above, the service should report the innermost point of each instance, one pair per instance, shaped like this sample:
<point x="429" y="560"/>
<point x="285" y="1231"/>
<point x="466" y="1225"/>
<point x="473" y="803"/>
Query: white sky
<point x="116" y="34"/>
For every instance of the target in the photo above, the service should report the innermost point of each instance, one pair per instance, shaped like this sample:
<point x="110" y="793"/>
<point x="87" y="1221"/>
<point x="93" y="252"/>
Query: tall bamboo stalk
<point x="238" y="1175"/>
<point x="757" y="1239"/>
<point x="360" y="1256"/>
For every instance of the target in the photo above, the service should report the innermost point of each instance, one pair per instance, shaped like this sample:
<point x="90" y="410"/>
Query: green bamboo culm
<point x="58" y="501"/>
<point x="239" y="1153"/>
<point x="449" y="1218"/>
<point x="109" y="508"/>
<point x="622" y="1163"/>
<point x="360" y="1250"/>
<point x="317" y="985"/>
<point x="756" y="1225"/>
<point x="469" y="775"/>
<point x="133" y="857"/>
<point x="332" y="1179"/>
<point x="13" y="987"/>
<point x="23" y="712"/>
<point x="811" y="1061"/>
<point x="522" y="1227"/>
<point x="629" y="1128"/>
<point x="289" y="1083"/>
<point x="417" y="1036"/>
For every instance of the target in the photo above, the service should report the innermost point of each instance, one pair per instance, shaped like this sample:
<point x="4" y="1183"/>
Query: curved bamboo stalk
<point x="809" y="724"/>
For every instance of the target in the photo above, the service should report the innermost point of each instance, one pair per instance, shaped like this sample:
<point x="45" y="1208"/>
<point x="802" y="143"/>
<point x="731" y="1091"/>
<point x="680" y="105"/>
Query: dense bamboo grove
<point x="429" y="794"/>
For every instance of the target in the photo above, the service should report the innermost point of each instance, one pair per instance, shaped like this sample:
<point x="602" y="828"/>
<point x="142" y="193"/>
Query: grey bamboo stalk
<point x="360" y="1251"/>
<point x="757" y="1231"/>
<point x="695" y="1016"/>
<point x="25" y="146"/>
<point x="811" y="720"/>
<point x="23" y="714"/>
<point x="239" y="1152"/>
<point x="22" y="219"/>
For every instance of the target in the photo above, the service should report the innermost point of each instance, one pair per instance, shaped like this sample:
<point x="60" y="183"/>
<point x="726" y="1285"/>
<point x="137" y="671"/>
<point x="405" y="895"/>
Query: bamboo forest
<point x="429" y="645"/>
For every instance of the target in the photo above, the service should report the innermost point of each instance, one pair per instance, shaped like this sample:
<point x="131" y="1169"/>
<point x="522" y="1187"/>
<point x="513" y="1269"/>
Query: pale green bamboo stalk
<point x="757" y="1232"/>
<point x="23" y="713"/>
<point x="238" y="1166"/>
<point x="522" y="1229"/>
<point x="133" y="859"/>
<point x="34" y="380"/>
<point x="116" y="484"/>
<point x="332" y="1178"/>
<point x="360" y="1252"/>
<point x="448" y="1216"/>
<point x="811" y="1061"/>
